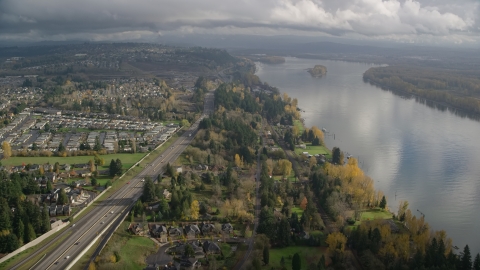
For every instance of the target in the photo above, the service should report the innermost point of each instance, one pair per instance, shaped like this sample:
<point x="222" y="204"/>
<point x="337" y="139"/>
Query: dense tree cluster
<point x="458" y="89"/>
<point x="20" y="219"/>
<point x="115" y="167"/>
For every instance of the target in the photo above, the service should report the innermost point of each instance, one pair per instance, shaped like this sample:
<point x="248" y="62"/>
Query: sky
<point x="451" y="22"/>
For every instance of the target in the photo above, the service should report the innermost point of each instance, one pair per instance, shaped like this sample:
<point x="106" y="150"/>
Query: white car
<point x="111" y="212"/>
<point x="66" y="258"/>
<point x="143" y="180"/>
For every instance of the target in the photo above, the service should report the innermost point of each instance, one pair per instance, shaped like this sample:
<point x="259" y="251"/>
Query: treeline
<point x="21" y="220"/>
<point x="231" y="97"/>
<point x="459" y="89"/>
<point x="405" y="242"/>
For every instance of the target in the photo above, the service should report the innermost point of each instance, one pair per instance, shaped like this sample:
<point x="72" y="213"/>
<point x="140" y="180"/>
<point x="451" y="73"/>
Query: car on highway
<point x="77" y="243"/>
<point x="66" y="258"/>
<point x="111" y="212"/>
<point x="128" y="183"/>
<point x="73" y="225"/>
<point x="143" y="180"/>
<point x="102" y="222"/>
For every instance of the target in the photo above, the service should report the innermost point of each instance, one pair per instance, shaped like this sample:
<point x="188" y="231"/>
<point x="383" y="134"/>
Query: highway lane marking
<point x="83" y="234"/>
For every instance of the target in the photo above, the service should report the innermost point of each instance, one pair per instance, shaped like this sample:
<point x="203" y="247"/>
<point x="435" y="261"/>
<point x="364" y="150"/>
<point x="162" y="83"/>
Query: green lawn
<point x="307" y="255"/>
<point x="132" y="250"/>
<point x="299" y="125"/>
<point x="376" y="214"/>
<point x="297" y="210"/>
<point x="313" y="150"/>
<point x="127" y="159"/>
<point x="291" y="177"/>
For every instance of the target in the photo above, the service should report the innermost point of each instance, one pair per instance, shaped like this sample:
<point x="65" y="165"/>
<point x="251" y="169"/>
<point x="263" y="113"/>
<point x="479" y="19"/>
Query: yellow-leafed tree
<point x="7" y="150"/>
<point x="195" y="209"/>
<point x="336" y="242"/>
<point x="238" y="160"/>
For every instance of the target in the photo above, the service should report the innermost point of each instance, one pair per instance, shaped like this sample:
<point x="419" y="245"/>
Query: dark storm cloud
<point x="125" y="19"/>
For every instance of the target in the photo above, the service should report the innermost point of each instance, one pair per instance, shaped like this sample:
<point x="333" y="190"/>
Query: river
<point x="429" y="157"/>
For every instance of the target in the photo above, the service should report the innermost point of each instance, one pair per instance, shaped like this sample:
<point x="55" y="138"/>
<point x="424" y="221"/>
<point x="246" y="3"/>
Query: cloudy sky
<point x="421" y="21"/>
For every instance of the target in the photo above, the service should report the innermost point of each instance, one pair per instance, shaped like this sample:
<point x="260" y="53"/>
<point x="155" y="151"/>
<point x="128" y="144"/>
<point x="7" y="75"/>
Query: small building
<point x="210" y="247"/>
<point x="227" y="228"/>
<point x="192" y="231"/>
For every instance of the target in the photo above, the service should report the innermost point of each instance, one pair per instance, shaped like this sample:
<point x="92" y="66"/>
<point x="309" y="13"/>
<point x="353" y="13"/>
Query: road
<point x="86" y="229"/>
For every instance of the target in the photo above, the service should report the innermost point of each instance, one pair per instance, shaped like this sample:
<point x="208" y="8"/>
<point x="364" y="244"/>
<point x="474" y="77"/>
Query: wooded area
<point x="455" y="88"/>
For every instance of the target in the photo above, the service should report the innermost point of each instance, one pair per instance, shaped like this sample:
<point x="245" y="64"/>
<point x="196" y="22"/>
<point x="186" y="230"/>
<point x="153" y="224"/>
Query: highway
<point x="83" y="231"/>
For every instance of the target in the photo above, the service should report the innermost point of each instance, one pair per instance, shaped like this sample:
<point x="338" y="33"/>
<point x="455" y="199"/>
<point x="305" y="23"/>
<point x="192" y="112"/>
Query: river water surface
<point x="429" y="157"/>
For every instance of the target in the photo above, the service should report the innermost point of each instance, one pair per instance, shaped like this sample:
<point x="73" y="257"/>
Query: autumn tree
<point x="238" y="160"/>
<point x="304" y="203"/>
<point x="285" y="167"/>
<point x="312" y="162"/>
<point x="194" y="210"/>
<point x="7" y="150"/>
<point x="336" y="242"/>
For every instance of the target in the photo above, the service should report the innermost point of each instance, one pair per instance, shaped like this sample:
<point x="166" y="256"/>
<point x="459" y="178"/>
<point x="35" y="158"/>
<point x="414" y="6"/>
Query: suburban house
<point x="159" y="231"/>
<point x="192" y="231"/>
<point x="208" y="228"/>
<point x="136" y="229"/>
<point x="227" y="228"/>
<point x="166" y="194"/>
<point x="175" y="232"/>
<point x="210" y="247"/>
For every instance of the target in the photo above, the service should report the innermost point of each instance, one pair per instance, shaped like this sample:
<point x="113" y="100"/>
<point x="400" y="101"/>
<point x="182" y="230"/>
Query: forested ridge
<point x="454" y="88"/>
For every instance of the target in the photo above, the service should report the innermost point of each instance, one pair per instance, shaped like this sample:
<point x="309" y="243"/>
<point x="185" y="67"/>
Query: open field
<point x="313" y="150"/>
<point x="297" y="210"/>
<point x="132" y="250"/>
<point x="299" y="125"/>
<point x="307" y="255"/>
<point x="376" y="214"/>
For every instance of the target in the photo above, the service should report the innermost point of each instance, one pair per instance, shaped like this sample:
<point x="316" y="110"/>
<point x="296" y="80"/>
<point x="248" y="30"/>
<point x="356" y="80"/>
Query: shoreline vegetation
<point x="266" y="59"/>
<point x="458" y="90"/>
<point x="381" y="236"/>
<point x="317" y="71"/>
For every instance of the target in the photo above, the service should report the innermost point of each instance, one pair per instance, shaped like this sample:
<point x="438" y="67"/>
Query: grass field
<point x="313" y="150"/>
<point x="307" y="255"/>
<point x="132" y="250"/>
<point x="297" y="210"/>
<point x="127" y="160"/>
<point x="299" y="125"/>
<point x="291" y="177"/>
<point x="376" y="214"/>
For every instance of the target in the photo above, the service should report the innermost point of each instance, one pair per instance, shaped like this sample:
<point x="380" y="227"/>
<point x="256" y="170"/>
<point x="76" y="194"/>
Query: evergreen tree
<point x="266" y="254"/>
<point x="30" y="234"/>
<point x="337" y="156"/>
<point x="97" y="146"/>
<point x="466" y="261"/>
<point x="5" y="223"/>
<point x="112" y="168"/>
<point x="296" y="262"/>
<point x="19" y="228"/>
<point x="383" y="203"/>
<point x="61" y="148"/>
<point x="62" y="198"/>
<point x="148" y="190"/>
<point x="118" y="167"/>
<point x="476" y="263"/>
<point x="49" y="186"/>
<point x="45" y="220"/>
<point x="94" y="182"/>
<point x="321" y="263"/>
